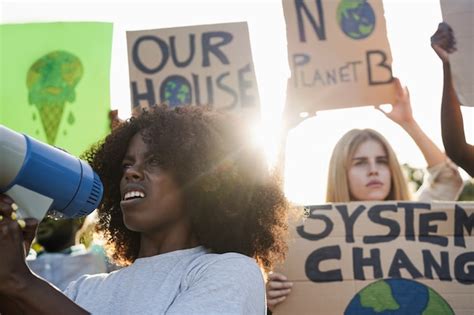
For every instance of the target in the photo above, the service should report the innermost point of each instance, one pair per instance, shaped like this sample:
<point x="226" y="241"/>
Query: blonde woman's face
<point x="369" y="173"/>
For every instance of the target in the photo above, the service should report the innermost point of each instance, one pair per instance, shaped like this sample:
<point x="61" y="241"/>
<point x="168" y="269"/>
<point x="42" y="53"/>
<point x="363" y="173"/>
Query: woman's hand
<point x="443" y="41"/>
<point x="401" y="112"/>
<point x="278" y="288"/>
<point x="402" y="115"/>
<point x="21" y="292"/>
<point x="16" y="237"/>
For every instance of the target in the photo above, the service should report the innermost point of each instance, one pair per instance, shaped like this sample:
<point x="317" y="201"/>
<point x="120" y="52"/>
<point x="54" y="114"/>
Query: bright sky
<point x="410" y="24"/>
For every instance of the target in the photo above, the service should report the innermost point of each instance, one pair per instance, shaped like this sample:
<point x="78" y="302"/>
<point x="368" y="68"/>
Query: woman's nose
<point x="133" y="173"/>
<point x="373" y="168"/>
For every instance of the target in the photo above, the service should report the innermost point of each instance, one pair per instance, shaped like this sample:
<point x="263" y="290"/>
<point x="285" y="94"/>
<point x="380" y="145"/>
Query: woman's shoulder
<point x="88" y="283"/>
<point x="226" y="265"/>
<point x="444" y="182"/>
<point x="228" y="283"/>
<point x="227" y="260"/>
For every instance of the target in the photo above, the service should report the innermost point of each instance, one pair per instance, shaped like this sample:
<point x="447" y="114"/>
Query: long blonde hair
<point x="338" y="182"/>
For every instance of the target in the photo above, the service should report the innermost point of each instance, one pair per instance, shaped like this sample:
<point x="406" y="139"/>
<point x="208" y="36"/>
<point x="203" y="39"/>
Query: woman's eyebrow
<point x="363" y="158"/>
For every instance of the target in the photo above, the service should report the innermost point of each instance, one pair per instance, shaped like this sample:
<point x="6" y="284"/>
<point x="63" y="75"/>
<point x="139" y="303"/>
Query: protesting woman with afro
<point x="189" y="208"/>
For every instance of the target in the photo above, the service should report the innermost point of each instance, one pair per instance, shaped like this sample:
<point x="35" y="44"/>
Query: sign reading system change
<point x="382" y="258"/>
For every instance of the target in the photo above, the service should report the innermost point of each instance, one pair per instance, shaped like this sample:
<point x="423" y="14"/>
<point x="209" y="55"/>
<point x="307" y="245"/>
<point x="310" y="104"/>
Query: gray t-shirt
<point x="189" y="281"/>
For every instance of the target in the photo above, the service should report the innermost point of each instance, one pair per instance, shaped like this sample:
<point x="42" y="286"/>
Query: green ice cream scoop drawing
<point x="51" y="82"/>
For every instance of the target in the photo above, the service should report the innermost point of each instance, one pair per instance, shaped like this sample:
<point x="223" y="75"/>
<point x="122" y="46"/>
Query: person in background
<point x="452" y="126"/>
<point x="114" y="119"/>
<point x="189" y="208"/>
<point x="364" y="167"/>
<point x="63" y="258"/>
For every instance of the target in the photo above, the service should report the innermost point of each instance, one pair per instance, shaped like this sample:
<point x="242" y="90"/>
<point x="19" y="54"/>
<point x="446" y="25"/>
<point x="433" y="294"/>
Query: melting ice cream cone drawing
<point x="51" y="82"/>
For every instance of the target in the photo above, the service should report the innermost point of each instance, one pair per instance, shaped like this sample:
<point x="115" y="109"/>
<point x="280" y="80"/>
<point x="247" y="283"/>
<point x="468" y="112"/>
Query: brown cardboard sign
<point x="195" y="65"/>
<point x="382" y="258"/>
<point x="338" y="53"/>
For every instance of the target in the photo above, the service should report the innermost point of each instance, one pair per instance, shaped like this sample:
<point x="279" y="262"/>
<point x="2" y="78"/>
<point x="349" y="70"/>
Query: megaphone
<point x="41" y="178"/>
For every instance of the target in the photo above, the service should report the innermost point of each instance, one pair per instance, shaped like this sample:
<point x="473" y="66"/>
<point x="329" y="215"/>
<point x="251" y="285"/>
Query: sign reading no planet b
<point x="196" y="65"/>
<point x="393" y="257"/>
<point x="338" y="53"/>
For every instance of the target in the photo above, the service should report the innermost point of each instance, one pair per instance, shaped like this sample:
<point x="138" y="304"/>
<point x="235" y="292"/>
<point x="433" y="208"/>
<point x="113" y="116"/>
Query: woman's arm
<point x="402" y="115"/>
<point x="452" y="126"/>
<point x="20" y="289"/>
<point x="8" y="306"/>
<point x="36" y="296"/>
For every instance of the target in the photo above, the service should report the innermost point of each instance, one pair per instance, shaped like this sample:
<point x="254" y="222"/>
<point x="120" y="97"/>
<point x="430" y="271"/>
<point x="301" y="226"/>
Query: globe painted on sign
<point x="175" y="91"/>
<point x="397" y="297"/>
<point x="356" y="18"/>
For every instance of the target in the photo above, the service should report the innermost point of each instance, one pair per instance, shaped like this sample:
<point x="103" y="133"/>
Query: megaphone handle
<point x="30" y="204"/>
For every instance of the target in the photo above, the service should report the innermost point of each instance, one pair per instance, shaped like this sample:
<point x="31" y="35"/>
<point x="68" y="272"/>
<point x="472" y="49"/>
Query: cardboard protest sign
<point x="338" y="53"/>
<point x="382" y="258"/>
<point x="459" y="14"/>
<point x="198" y="65"/>
<point x="55" y="81"/>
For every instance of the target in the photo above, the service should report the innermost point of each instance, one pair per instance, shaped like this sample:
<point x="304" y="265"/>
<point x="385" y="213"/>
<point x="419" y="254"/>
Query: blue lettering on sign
<point x="178" y="90"/>
<point x="365" y="259"/>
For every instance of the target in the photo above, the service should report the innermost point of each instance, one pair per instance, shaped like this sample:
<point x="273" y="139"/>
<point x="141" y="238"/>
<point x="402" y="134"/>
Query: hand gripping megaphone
<point x="42" y="178"/>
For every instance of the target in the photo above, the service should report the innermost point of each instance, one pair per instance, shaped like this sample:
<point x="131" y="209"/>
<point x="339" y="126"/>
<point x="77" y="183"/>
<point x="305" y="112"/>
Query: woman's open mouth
<point x="132" y="197"/>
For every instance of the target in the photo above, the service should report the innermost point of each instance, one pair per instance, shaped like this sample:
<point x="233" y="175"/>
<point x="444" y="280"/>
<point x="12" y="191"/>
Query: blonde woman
<point x="364" y="167"/>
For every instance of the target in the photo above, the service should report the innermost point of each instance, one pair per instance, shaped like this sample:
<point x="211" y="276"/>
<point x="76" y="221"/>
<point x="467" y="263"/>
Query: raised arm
<point x="402" y="115"/>
<point x="452" y="126"/>
<point x="21" y="292"/>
